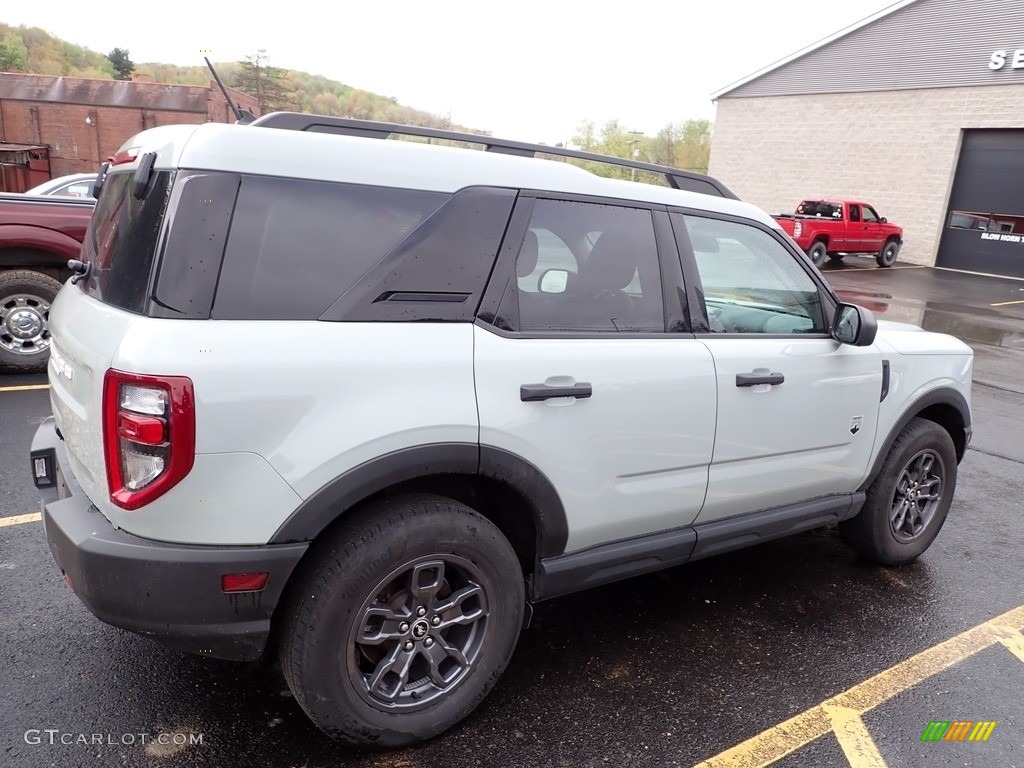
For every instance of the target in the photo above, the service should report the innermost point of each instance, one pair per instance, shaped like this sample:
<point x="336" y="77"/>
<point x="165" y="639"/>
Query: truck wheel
<point x="887" y="256"/>
<point x="402" y="622"/>
<point x="908" y="501"/>
<point x="25" y="299"/>
<point x="817" y="252"/>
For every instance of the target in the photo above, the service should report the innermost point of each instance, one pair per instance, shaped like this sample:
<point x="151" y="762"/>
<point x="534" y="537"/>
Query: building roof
<point x="910" y="44"/>
<point x="109" y="93"/>
<point x="9" y="146"/>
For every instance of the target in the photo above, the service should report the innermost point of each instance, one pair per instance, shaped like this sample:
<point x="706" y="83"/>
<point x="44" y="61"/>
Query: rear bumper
<point x="169" y="592"/>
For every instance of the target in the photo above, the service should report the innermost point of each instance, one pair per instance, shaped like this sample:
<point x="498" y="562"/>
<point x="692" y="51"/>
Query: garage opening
<point x="984" y="225"/>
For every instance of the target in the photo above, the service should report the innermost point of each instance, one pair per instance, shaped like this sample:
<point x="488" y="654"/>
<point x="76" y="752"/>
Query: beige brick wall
<point x="896" y="150"/>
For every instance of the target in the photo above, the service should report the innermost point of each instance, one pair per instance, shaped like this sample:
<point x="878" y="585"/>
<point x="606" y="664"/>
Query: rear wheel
<point x="403" y="622"/>
<point x="25" y="300"/>
<point x="887" y="256"/>
<point x="817" y="252"/>
<point x="908" y="501"/>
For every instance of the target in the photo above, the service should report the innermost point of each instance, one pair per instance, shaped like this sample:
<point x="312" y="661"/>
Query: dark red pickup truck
<point x="835" y="228"/>
<point x="38" y="235"/>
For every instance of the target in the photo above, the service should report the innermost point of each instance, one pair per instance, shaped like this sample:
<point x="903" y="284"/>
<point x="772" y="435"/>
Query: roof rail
<point x="296" y="121"/>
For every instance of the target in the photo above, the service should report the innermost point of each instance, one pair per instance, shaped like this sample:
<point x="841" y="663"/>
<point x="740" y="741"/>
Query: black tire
<point x="341" y="598"/>
<point x="887" y="256"/>
<point x="817" y="252"/>
<point x="897" y="522"/>
<point x="25" y="299"/>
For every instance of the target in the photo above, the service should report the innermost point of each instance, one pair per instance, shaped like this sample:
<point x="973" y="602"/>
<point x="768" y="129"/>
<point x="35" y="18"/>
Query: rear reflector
<point x="243" y="582"/>
<point x="141" y="429"/>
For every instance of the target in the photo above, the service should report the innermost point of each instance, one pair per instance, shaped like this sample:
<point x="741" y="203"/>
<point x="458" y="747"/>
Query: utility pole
<point x="635" y="153"/>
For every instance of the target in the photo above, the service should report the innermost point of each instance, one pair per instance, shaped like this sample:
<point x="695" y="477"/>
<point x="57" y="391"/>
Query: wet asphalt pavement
<point x="664" y="670"/>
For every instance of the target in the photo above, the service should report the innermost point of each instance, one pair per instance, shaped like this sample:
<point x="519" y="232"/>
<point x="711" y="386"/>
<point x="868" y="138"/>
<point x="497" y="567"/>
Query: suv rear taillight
<point x="149" y="435"/>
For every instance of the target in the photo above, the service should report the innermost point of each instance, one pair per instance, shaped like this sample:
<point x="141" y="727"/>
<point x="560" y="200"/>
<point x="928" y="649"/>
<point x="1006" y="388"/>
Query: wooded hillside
<point x="684" y="145"/>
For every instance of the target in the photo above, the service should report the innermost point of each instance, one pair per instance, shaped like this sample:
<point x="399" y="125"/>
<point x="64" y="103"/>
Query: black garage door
<point x="984" y="227"/>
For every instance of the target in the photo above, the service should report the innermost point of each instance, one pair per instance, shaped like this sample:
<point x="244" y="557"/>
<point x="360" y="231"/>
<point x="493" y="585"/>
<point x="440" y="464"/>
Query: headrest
<point x="528" y="254"/>
<point x="612" y="262"/>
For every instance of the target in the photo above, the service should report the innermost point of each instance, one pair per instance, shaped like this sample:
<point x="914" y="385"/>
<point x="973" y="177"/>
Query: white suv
<point x="364" y="401"/>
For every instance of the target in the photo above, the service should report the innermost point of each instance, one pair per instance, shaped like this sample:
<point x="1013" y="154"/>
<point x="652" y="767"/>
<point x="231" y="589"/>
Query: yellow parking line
<point x="785" y="738"/>
<point x="24" y="388"/>
<point x="1006" y="303"/>
<point x="19" y="519"/>
<point x="1012" y="640"/>
<point x="853" y="737"/>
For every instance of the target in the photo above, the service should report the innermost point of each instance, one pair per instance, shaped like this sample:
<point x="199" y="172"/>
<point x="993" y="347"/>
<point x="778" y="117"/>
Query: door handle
<point x="753" y="379"/>
<point x="533" y="392"/>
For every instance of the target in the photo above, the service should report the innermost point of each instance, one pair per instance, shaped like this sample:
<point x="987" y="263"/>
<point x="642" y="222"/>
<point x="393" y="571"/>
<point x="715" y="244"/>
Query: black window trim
<point x="698" y="313"/>
<point x="502" y="277"/>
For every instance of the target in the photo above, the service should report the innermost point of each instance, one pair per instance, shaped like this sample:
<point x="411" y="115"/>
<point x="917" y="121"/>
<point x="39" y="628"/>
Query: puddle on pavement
<point x="964" y="329"/>
<point x="939" y="317"/>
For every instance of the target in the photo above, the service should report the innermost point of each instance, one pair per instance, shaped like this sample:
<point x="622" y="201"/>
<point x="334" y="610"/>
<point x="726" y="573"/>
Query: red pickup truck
<point x="835" y="228"/>
<point x="38" y="235"/>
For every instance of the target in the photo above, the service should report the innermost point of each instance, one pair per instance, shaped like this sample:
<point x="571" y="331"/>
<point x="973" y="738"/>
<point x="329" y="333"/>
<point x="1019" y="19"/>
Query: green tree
<point x="13" y="53"/>
<point x="683" y="145"/>
<point x="257" y="78"/>
<point x="123" y="65"/>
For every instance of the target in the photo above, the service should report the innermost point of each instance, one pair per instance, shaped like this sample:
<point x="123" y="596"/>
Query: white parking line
<point x="24" y="388"/>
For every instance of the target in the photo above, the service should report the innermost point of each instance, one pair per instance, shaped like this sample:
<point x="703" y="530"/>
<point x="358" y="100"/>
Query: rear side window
<point x="122" y="240"/>
<point x="296" y="246"/>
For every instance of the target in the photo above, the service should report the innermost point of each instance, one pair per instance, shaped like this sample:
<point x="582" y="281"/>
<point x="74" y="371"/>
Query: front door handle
<point x="753" y="379"/>
<point x="532" y="392"/>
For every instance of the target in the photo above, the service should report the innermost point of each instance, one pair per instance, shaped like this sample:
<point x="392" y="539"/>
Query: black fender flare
<point x="944" y="396"/>
<point x="347" y="490"/>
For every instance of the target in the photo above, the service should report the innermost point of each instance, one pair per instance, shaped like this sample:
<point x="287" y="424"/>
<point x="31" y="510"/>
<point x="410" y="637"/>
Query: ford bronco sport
<point x="362" y="402"/>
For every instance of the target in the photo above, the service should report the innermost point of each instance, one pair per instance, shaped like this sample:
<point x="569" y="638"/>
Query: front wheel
<point x="25" y="299"/>
<point x="818" y="252"/>
<point x="403" y="622"/>
<point x="887" y="256"/>
<point x="909" y="500"/>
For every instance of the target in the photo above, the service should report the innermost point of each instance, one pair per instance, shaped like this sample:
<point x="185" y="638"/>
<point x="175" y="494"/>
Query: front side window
<point x="588" y="267"/>
<point x="870" y="215"/>
<point x="752" y="284"/>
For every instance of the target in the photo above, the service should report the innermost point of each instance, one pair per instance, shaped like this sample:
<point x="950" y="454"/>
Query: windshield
<point x="122" y="240"/>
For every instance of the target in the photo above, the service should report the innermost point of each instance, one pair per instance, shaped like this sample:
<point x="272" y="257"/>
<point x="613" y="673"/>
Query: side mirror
<point x="554" y="281"/>
<point x="884" y="220"/>
<point x="854" y="325"/>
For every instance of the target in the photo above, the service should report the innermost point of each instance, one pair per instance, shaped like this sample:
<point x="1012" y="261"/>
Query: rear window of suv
<point x="122" y="240"/>
<point x="296" y="246"/>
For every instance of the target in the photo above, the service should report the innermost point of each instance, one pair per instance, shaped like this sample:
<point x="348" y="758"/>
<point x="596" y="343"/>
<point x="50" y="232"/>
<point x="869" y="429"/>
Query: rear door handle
<point x="532" y="392"/>
<point x="753" y="379"/>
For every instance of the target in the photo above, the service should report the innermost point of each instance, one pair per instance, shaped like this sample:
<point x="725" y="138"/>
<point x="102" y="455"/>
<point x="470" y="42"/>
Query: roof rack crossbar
<point x="296" y="121"/>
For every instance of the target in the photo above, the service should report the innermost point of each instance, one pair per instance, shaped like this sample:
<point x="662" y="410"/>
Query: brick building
<point x="84" y="121"/>
<point x="918" y="109"/>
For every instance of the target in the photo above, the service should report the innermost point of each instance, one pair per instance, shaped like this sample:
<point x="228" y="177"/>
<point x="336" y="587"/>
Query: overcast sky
<point x="523" y="69"/>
